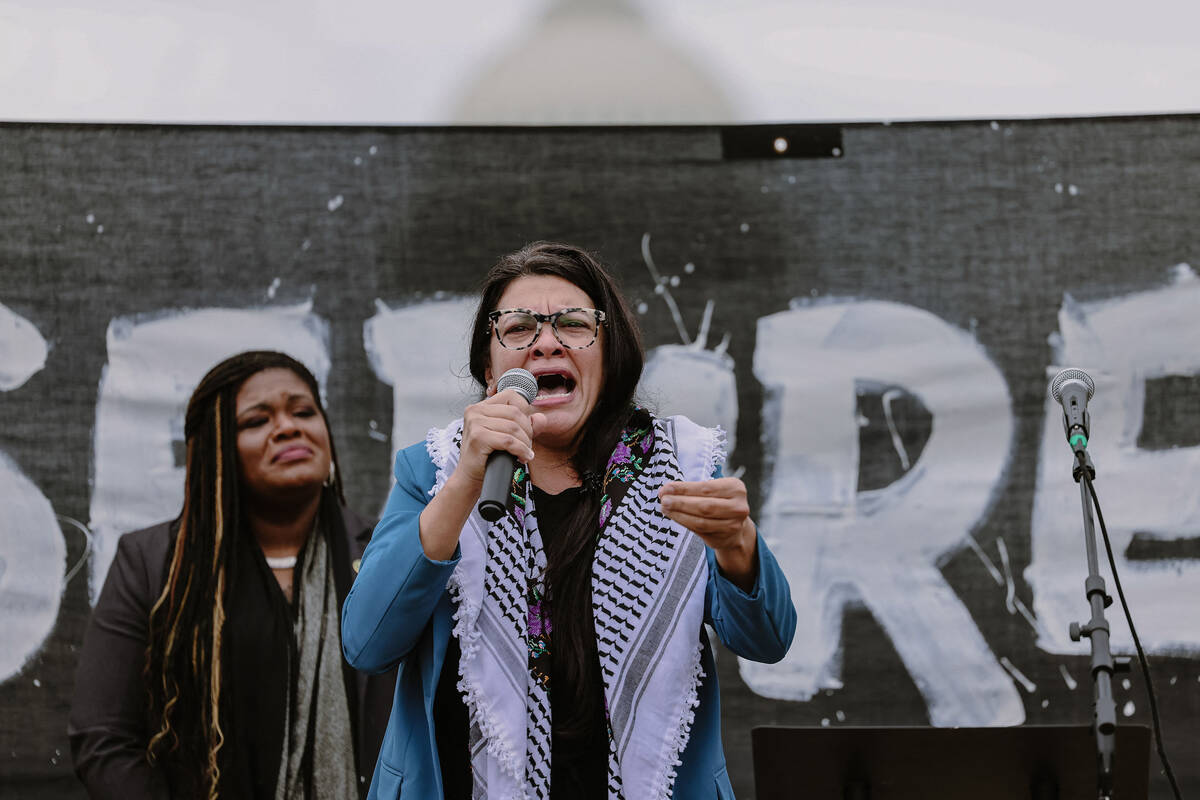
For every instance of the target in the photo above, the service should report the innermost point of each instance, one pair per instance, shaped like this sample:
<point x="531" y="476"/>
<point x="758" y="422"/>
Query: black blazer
<point x="107" y="724"/>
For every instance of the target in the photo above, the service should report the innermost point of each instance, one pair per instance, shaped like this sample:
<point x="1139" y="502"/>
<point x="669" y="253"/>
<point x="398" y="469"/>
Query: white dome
<point x="592" y="61"/>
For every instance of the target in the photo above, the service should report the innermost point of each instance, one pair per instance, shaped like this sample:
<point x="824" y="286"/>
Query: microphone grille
<point x="520" y="379"/>
<point x="1070" y="374"/>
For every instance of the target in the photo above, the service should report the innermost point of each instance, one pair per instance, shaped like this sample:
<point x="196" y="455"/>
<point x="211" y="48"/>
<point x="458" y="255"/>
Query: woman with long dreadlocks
<point x="559" y="651"/>
<point x="212" y="664"/>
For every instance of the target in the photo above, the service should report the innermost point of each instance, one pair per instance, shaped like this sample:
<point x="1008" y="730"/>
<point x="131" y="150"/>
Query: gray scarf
<point x="318" y="700"/>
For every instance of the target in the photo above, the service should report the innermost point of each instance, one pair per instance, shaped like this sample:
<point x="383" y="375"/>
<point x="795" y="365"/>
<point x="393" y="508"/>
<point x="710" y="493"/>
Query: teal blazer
<point x="399" y="612"/>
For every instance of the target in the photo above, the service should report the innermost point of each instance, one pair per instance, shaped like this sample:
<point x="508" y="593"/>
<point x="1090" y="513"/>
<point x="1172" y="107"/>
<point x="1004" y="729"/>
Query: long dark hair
<point x="184" y="669"/>
<point x="568" y="551"/>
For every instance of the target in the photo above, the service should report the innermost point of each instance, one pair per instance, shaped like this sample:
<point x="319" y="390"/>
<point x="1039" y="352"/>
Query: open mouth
<point x="554" y="384"/>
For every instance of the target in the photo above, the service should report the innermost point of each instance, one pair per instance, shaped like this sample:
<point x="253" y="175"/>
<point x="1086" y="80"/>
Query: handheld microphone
<point x="496" y="494"/>
<point x="1072" y="389"/>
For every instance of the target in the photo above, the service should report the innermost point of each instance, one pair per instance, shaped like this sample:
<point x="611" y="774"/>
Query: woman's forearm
<point x="443" y="519"/>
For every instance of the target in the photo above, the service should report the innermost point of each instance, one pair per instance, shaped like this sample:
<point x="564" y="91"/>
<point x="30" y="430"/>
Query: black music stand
<point x="1043" y="762"/>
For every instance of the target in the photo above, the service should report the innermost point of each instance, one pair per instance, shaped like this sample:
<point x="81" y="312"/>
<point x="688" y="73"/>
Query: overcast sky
<point x="367" y="61"/>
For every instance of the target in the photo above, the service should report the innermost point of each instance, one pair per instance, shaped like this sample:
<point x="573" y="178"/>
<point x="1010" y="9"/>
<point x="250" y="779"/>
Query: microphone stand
<point x="1097" y="631"/>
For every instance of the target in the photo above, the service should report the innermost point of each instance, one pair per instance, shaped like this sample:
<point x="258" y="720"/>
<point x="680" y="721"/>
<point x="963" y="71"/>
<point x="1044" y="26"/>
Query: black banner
<point x="871" y="311"/>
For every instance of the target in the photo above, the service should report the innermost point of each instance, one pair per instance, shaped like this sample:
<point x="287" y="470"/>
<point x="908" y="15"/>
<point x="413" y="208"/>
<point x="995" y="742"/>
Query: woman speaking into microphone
<point x="559" y="651"/>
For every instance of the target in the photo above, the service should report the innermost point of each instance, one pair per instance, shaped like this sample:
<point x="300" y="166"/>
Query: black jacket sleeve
<point x="107" y="724"/>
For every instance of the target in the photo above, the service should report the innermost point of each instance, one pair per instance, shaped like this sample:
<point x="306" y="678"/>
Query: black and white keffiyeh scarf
<point x="648" y="582"/>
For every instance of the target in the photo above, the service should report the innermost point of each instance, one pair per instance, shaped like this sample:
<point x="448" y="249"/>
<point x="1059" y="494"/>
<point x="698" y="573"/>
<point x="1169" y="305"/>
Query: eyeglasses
<point x="519" y="328"/>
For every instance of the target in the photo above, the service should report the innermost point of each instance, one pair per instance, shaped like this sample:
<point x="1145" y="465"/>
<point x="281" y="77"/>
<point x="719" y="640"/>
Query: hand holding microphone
<point x="496" y="494"/>
<point x="496" y="431"/>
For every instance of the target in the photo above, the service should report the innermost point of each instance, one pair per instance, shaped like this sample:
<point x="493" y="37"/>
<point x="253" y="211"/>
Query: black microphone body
<point x="496" y="495"/>
<point x="1073" y="388"/>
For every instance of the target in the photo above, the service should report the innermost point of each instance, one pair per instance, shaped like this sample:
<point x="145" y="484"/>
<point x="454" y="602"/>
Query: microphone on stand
<point x="496" y="495"/>
<point x="1072" y="389"/>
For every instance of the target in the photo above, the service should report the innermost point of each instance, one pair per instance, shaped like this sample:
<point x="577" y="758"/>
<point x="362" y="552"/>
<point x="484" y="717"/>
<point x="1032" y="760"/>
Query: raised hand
<point x="717" y="511"/>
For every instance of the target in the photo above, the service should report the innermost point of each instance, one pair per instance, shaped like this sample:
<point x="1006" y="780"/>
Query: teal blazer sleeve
<point x="398" y="586"/>
<point x="759" y="624"/>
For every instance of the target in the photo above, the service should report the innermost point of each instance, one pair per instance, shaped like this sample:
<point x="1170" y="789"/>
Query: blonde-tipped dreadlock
<point x="184" y="668"/>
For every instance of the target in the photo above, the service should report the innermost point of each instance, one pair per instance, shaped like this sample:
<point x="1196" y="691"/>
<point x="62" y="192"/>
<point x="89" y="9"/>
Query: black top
<point x="578" y="765"/>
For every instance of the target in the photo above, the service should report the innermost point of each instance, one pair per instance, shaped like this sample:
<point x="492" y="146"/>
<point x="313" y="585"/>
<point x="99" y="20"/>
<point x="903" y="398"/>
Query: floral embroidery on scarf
<point x="627" y="462"/>
<point x="540" y="628"/>
<point x="520" y="475"/>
